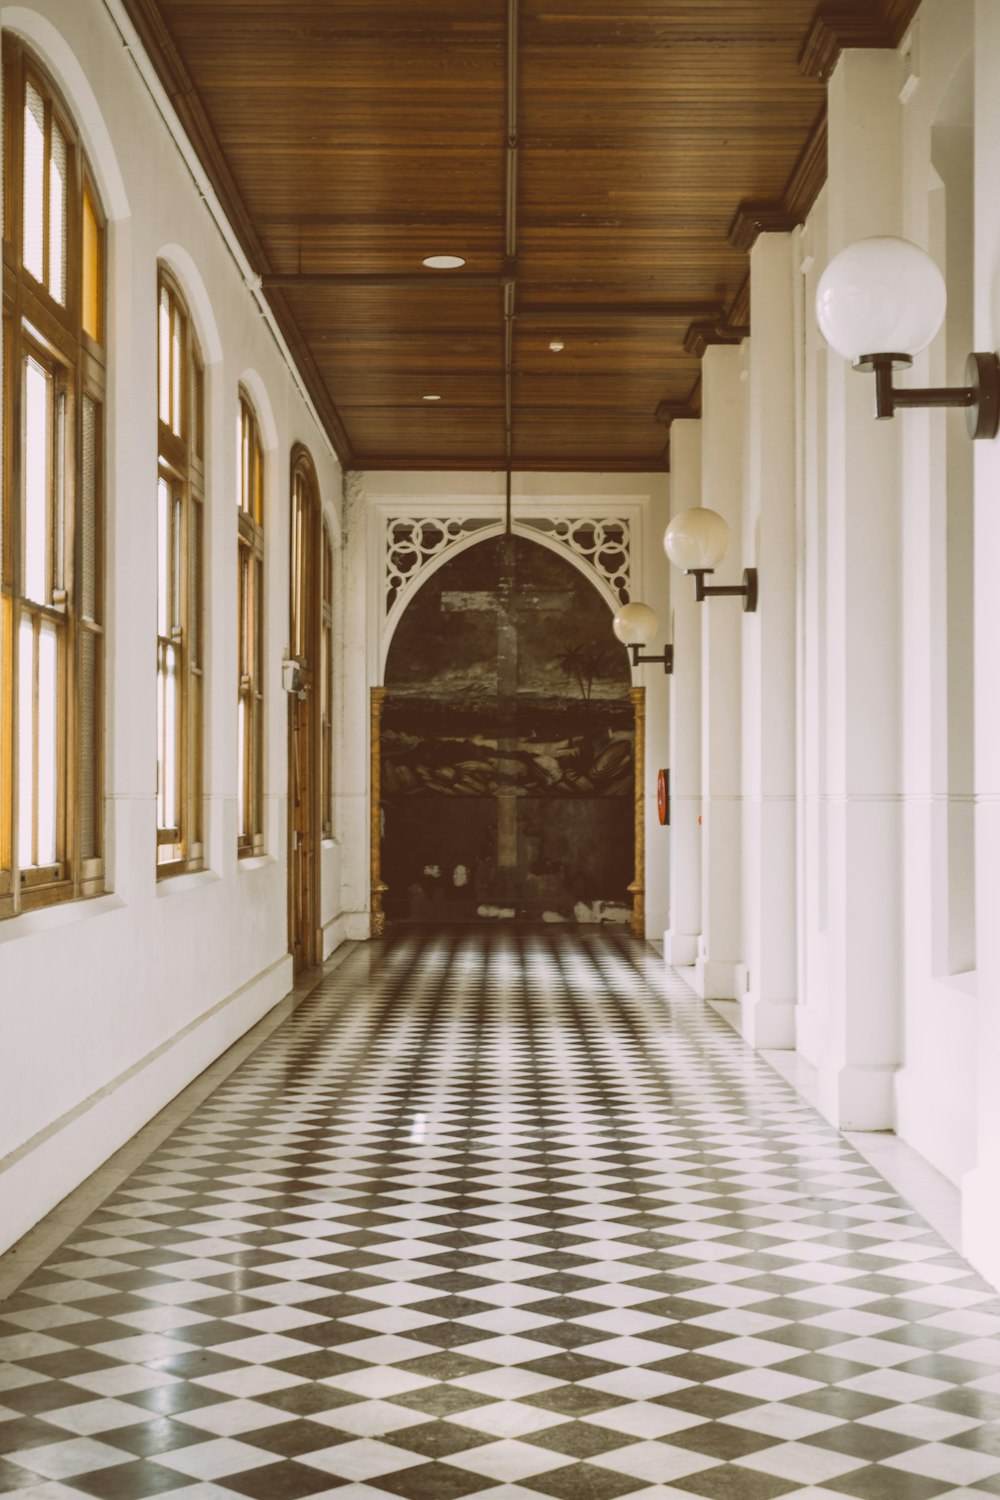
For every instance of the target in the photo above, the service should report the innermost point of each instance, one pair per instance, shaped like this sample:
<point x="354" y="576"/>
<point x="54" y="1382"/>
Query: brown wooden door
<point x="303" y="737"/>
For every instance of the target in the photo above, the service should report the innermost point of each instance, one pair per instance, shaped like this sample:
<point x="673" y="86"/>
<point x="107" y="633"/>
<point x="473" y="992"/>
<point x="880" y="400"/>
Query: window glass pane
<point x="26" y="745"/>
<point x="89" y="841"/>
<point x="57" y="215"/>
<point x="176" y="555"/>
<point x="33" y="251"/>
<point x="59" y="496"/>
<point x="176" y="376"/>
<point x="195" y="585"/>
<point x="36" y="481"/>
<point x="168" y="739"/>
<point x="48" y="646"/>
<point x="162" y="556"/>
<point x="241" y="459"/>
<point x="88" y="510"/>
<point x="241" y="735"/>
<point x="92" y="270"/>
<point x="164" y="355"/>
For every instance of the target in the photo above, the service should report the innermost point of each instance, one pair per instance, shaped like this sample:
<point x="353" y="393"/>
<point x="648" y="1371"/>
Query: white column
<point x="981" y="1202"/>
<point x="680" y="940"/>
<point x="358" y="676"/>
<point x="861" y="1049"/>
<point x="722" y="623"/>
<point x="656" y="590"/>
<point x="769" y="656"/>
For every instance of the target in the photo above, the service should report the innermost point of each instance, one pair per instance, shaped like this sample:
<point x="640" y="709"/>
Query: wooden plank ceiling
<point x="651" y="139"/>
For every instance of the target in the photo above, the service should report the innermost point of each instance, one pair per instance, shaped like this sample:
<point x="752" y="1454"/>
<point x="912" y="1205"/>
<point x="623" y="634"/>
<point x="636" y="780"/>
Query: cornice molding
<point x="700" y="336"/>
<point x="752" y="219"/>
<point x="159" y="45"/>
<point x="673" y="411"/>
<point x="839" y="25"/>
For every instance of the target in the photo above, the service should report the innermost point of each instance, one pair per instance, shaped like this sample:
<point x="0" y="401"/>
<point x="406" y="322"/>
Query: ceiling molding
<point x="801" y="191"/>
<point x="752" y="219"/>
<point x="739" y="312"/>
<point x="700" y="336"/>
<point x="672" y="411"/>
<point x="839" y="25"/>
<point x="179" y="86"/>
<point x="497" y="465"/>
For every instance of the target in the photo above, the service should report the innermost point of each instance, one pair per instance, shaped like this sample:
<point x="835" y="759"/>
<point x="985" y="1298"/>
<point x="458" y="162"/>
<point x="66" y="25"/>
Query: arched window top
<point x="180" y="379"/>
<point x="53" y="219"/>
<point x="249" y="461"/>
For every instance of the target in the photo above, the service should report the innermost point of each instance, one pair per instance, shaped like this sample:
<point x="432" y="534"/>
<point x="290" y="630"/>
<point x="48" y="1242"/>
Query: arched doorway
<point x="507" y="744"/>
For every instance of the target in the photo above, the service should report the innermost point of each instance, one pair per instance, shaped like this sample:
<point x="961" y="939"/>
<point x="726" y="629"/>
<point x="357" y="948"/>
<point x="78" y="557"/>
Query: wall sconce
<point x="696" y="542"/>
<point x="635" y="625"/>
<point x="887" y="295"/>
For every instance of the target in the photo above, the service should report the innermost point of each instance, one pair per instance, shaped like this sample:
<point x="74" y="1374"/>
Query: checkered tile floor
<point x="510" y="1215"/>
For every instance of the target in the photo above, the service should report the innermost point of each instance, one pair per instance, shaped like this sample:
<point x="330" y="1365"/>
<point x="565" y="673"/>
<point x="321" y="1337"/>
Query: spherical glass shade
<point x="880" y="296"/>
<point x="696" y="539"/>
<point x="635" y="624"/>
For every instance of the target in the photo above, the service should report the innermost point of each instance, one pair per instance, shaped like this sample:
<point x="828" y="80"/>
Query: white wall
<point x="109" y="1006"/>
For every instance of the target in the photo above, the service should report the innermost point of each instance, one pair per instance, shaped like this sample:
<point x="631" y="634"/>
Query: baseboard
<point x="335" y="932"/>
<point x="39" y="1174"/>
<point x="680" y="949"/>
<point x="714" y="979"/>
<point x="927" y="1120"/>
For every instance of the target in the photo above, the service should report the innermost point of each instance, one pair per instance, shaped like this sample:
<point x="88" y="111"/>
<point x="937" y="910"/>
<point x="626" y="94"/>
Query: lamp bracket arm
<point x="667" y="658"/>
<point x="980" y="397"/>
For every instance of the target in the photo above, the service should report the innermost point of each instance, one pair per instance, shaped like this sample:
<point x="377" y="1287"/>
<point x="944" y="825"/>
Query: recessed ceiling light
<point x="556" y="345"/>
<point x="443" y="262"/>
<point x="431" y="398"/>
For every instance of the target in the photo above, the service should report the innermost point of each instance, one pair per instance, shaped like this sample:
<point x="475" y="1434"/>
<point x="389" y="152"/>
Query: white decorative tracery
<point x="413" y="543"/>
<point x="604" y="544"/>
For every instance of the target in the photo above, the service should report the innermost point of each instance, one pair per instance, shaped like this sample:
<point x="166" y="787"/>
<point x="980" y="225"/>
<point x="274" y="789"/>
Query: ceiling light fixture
<point x="635" y="625"/>
<point x="443" y="262"/>
<point x="430" y="398"/>
<point x="886" y="295"/>
<point x="696" y="542"/>
<point x="557" y="346"/>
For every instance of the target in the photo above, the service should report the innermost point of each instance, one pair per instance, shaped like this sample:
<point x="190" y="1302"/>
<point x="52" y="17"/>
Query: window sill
<point x="177" y="885"/>
<point x="254" y="861"/>
<point x="964" y="983"/>
<point x="65" y="914"/>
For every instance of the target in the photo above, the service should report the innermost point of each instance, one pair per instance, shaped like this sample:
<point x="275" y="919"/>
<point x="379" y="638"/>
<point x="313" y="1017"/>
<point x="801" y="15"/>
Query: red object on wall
<point x="663" y="796"/>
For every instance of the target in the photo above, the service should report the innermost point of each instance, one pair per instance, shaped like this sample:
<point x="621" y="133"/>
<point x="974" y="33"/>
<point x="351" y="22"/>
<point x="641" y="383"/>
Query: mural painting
<point x="507" y="746"/>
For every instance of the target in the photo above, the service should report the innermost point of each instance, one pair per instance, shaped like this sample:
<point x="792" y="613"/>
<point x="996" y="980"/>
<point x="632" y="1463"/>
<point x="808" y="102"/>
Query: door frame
<point x="303" y="716"/>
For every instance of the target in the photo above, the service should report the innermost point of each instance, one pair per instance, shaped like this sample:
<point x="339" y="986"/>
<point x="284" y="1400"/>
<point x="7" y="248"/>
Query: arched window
<point x="52" y="509"/>
<point x="180" y="497"/>
<point x="250" y="583"/>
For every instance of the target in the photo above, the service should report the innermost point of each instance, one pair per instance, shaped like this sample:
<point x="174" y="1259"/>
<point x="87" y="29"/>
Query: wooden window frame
<point x="49" y="331"/>
<point x="250" y="626"/>
<point x="181" y="467"/>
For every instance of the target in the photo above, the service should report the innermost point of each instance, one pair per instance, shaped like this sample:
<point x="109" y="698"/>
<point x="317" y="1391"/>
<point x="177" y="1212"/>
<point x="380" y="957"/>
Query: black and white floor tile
<point x="502" y="1214"/>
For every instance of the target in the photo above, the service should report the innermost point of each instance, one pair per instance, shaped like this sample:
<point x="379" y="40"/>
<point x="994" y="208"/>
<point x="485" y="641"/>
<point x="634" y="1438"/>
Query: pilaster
<point x="682" y="937"/>
<point x="862" y="636"/>
<point x="769" y="656"/>
<point x="720" y="949"/>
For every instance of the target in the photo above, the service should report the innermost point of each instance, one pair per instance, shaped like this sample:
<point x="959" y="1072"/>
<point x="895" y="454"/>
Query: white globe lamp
<point x="696" y="540"/>
<point x="879" y="303"/>
<point x="635" y="626"/>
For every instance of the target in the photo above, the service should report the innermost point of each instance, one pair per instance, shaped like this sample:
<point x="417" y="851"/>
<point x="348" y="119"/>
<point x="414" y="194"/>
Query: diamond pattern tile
<point x="508" y="1214"/>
